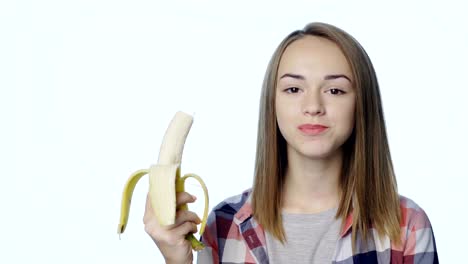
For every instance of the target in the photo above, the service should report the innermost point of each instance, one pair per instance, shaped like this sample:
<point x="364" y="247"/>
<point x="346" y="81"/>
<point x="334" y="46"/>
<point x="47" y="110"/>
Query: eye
<point x="292" y="90"/>
<point x="336" y="91"/>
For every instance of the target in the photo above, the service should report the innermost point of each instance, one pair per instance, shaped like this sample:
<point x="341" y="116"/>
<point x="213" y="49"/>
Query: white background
<point x="89" y="87"/>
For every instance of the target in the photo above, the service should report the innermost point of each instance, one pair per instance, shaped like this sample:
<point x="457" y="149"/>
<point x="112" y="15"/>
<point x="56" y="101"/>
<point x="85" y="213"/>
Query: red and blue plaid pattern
<point x="233" y="236"/>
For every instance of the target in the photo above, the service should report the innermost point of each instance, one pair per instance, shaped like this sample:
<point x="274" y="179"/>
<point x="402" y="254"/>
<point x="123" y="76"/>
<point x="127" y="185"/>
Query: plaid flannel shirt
<point x="233" y="236"/>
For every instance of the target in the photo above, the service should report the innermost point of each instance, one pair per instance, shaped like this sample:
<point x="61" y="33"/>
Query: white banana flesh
<point x="165" y="180"/>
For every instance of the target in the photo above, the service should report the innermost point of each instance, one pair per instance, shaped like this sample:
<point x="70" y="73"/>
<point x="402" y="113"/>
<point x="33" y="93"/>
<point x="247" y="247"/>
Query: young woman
<point x="324" y="188"/>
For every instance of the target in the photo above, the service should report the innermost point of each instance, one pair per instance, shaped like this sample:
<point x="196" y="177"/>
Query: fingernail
<point x="194" y="197"/>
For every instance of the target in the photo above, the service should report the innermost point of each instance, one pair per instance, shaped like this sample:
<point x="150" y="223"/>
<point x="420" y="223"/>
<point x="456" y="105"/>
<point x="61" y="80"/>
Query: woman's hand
<point x="171" y="239"/>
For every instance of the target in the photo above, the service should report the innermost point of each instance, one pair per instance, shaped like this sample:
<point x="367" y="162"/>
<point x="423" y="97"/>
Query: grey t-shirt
<point x="311" y="238"/>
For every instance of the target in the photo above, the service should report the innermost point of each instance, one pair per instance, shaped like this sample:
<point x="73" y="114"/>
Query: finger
<point x="185" y="228"/>
<point x="149" y="213"/>
<point x="184" y="197"/>
<point x="184" y="216"/>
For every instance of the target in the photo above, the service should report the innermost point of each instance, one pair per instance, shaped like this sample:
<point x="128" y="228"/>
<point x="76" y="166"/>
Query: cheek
<point x="343" y="116"/>
<point x="282" y="119"/>
<point x="280" y="112"/>
<point x="349" y="116"/>
<point x="286" y="107"/>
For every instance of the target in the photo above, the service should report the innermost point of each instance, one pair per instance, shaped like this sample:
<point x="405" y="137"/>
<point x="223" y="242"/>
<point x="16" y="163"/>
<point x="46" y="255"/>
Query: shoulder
<point x="412" y="215"/>
<point x="222" y="236"/>
<point x="231" y="205"/>
<point x="222" y="218"/>
<point x="417" y="233"/>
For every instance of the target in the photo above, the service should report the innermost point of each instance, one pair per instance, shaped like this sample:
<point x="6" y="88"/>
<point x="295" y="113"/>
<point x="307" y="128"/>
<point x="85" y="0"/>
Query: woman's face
<point x="315" y="98"/>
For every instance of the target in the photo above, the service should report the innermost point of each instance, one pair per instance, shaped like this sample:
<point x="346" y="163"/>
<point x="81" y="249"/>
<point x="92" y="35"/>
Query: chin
<point x="318" y="156"/>
<point x="317" y="152"/>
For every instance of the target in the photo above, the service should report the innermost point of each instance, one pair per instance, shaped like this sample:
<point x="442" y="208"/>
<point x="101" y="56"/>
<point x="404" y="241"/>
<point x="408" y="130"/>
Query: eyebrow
<point x="327" y="77"/>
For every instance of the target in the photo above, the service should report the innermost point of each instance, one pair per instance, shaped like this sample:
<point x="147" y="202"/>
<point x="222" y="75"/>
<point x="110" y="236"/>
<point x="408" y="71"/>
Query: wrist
<point x="175" y="262"/>
<point x="188" y="261"/>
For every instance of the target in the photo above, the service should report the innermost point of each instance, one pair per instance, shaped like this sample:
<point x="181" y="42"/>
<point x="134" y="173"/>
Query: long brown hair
<point x="367" y="181"/>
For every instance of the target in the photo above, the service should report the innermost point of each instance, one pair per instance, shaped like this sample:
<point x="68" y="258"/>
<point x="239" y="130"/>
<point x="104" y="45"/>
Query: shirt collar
<point x="347" y="225"/>
<point x="245" y="212"/>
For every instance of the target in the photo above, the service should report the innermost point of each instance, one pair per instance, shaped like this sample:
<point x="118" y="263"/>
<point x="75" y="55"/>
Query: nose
<point x="313" y="104"/>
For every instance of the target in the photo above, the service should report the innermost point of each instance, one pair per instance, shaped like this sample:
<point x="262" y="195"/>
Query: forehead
<point x="314" y="57"/>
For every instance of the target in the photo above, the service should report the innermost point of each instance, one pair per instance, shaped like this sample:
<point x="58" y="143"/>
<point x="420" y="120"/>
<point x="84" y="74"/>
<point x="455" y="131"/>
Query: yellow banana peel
<point x="166" y="180"/>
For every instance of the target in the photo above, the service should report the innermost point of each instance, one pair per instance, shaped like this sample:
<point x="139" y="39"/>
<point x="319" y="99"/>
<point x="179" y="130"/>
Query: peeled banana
<point x="165" y="180"/>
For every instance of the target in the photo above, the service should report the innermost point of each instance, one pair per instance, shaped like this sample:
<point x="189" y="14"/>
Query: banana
<point x="166" y="180"/>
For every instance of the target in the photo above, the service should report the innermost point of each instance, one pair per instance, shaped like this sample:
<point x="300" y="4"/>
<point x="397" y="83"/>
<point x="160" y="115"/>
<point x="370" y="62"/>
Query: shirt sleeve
<point x="420" y="245"/>
<point x="209" y="254"/>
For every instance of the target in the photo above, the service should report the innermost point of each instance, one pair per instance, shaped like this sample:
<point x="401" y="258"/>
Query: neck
<point x="311" y="185"/>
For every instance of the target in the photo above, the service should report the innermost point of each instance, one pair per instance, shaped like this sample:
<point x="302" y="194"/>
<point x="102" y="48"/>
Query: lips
<point x="312" y="129"/>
